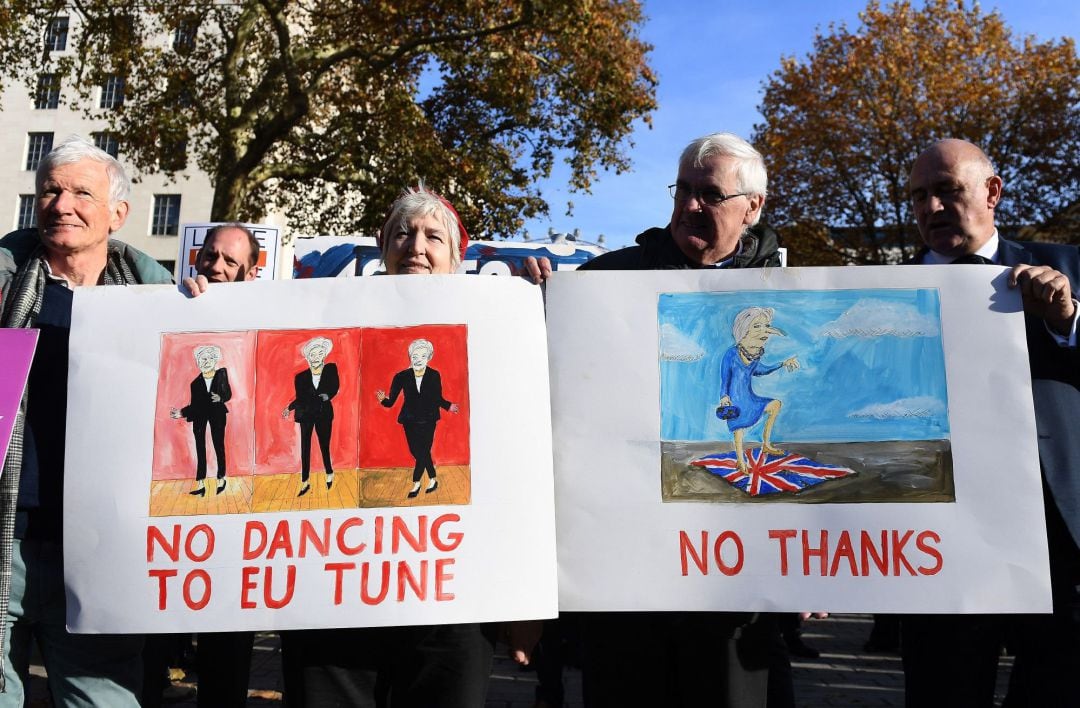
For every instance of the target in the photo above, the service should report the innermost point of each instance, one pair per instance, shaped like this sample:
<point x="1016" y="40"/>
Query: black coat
<point x="420" y="406"/>
<point x="657" y="250"/>
<point x="201" y="407"/>
<point x="308" y="404"/>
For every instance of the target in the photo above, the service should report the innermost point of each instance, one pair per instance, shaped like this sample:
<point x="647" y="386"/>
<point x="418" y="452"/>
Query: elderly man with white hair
<point x="691" y="658"/>
<point x="81" y="200"/>
<point x="718" y="197"/>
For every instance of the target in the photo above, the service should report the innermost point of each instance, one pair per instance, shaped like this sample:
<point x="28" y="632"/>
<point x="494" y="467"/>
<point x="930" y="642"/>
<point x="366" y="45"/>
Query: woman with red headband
<point x="416" y="666"/>
<point x="423" y="235"/>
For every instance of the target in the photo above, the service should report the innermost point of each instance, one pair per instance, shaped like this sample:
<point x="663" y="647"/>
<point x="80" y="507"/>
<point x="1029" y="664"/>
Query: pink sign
<point x="16" y="352"/>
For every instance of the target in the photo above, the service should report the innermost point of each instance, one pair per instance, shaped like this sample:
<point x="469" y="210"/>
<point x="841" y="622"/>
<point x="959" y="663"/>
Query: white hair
<point x="317" y="343"/>
<point x="741" y="326"/>
<point x="76" y="149"/>
<point x="208" y="349"/>
<point x="750" y="175"/>
<point x="422" y="344"/>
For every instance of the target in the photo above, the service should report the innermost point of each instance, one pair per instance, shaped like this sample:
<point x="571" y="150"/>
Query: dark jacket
<point x="657" y="250"/>
<point x="420" y="406"/>
<point x="308" y="404"/>
<point x="1055" y="381"/>
<point x="202" y="407"/>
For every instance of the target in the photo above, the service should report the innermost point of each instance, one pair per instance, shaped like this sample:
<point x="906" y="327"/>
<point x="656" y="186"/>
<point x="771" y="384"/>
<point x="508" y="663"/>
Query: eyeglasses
<point x="711" y="197"/>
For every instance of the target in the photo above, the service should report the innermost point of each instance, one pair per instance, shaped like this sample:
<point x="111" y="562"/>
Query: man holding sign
<point x="691" y="658"/>
<point x="229" y="254"/>
<point x="952" y="660"/>
<point x="81" y="199"/>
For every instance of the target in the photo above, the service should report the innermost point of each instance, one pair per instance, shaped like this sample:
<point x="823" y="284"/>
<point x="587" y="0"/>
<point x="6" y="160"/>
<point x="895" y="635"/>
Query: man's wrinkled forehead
<point x="714" y="170"/>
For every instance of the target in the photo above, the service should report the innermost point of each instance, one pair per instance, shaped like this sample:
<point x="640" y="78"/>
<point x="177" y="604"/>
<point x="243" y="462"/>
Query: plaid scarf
<point x="22" y="309"/>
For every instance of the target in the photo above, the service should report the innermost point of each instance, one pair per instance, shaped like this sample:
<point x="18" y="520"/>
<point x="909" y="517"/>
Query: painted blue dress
<point x="735" y="379"/>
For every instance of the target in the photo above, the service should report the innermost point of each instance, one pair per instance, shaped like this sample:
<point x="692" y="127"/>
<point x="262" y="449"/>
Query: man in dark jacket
<point x="719" y="195"/>
<point x="686" y="658"/>
<point x="82" y="197"/>
<point x="951" y="660"/>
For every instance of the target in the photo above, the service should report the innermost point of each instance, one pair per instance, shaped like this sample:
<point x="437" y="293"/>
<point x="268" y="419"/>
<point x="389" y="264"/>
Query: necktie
<point x="973" y="258"/>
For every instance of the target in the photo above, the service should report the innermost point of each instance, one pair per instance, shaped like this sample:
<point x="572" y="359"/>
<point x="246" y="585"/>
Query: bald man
<point x="952" y="660"/>
<point x="229" y="254"/>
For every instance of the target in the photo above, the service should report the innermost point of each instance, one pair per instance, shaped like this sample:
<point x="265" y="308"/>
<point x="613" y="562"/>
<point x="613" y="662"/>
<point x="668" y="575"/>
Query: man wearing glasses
<point x="718" y="195"/>
<point x="951" y="660"/>
<point x="691" y="658"/>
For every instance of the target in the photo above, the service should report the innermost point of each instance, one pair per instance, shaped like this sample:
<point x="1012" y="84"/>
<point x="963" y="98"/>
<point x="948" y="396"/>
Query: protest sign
<point x="846" y="439"/>
<point x="16" y="354"/>
<point x="246" y="459"/>
<point x="352" y="256"/>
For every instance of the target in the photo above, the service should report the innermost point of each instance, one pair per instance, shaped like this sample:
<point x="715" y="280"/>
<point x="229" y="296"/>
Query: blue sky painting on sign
<point x="871" y="364"/>
<point x="860" y="380"/>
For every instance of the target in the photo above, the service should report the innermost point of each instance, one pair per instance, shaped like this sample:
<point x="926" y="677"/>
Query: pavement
<point x="844" y="674"/>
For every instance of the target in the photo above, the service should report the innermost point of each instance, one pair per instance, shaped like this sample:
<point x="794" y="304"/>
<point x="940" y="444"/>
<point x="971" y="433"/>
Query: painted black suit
<point x="419" y="414"/>
<point x="201" y="411"/>
<point x="960" y="652"/>
<point x="314" y="413"/>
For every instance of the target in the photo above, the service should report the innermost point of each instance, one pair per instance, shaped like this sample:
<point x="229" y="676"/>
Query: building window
<point x="107" y="142"/>
<point x="184" y="35"/>
<point x="173" y="156"/>
<point x="48" y="91"/>
<point x="56" y="34"/>
<point x="166" y="217"/>
<point x="112" y="92"/>
<point x="38" y="146"/>
<point x="27" y="212"/>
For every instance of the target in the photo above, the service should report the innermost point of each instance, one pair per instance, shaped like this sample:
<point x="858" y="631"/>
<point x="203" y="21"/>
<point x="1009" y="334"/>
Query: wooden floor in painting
<point x="390" y="487"/>
<point x="278" y="492"/>
<point x="170" y="497"/>
<point x="368" y="488"/>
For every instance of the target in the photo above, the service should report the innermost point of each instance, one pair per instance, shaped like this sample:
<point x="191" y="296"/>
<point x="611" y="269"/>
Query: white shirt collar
<point x="988" y="250"/>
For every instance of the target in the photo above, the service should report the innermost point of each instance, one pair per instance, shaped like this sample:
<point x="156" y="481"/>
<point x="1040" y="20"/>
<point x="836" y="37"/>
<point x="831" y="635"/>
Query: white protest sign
<point x="295" y="380"/>
<point x="844" y="439"/>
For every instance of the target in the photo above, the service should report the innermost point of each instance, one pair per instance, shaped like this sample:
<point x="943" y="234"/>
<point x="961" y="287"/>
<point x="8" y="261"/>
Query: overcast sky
<point x="711" y="59"/>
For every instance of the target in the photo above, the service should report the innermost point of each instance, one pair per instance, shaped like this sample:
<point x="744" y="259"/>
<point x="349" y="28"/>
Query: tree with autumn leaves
<point x="327" y="110"/>
<point x="842" y="127"/>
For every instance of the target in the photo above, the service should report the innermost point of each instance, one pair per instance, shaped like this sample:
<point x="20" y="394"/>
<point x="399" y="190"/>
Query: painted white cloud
<point x="875" y="318"/>
<point x="676" y="346"/>
<point x="916" y="407"/>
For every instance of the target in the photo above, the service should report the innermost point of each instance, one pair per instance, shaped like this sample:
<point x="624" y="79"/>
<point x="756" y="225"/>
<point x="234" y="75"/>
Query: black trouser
<point x="217" y="436"/>
<point x="442" y="666"/>
<point x="951" y="660"/>
<point x="322" y="426"/>
<point x="160" y="651"/>
<point x="421" y="435"/>
<point x="223" y="662"/>
<point x="676" y="659"/>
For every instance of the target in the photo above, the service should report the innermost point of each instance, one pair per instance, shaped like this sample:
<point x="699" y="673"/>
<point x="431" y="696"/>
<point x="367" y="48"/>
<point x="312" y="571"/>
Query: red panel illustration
<point x="308" y="401"/>
<point x="203" y="435"/>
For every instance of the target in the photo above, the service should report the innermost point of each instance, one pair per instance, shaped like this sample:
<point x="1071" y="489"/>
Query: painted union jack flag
<point x="771" y="474"/>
